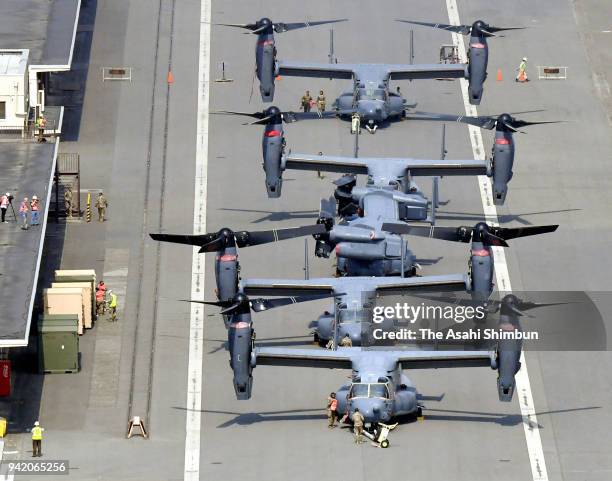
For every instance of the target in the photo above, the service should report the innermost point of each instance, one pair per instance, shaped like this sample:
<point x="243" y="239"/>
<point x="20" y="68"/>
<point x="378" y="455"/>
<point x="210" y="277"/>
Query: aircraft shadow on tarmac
<point x="503" y="419"/>
<point x="278" y="216"/>
<point x="503" y="218"/>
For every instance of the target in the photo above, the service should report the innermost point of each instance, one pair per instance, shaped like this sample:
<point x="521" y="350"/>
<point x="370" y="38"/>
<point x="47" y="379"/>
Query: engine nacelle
<point x="507" y="364"/>
<point x="241" y="337"/>
<point x="481" y="272"/>
<point x="266" y="69"/>
<point x="479" y="58"/>
<point x="227" y="270"/>
<point x="502" y="163"/>
<point x="273" y="145"/>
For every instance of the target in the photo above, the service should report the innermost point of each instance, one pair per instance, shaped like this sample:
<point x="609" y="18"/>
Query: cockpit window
<point x="359" y="390"/>
<point x="379" y="390"/>
<point x="369" y="390"/>
<point x="374" y="94"/>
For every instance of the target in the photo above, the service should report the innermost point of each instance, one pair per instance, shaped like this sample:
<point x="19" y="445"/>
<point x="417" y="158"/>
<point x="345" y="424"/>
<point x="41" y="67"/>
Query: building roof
<point x="46" y="27"/>
<point x="27" y="170"/>
<point x="13" y="62"/>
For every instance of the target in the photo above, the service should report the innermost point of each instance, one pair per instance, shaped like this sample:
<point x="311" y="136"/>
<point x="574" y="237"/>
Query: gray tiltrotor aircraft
<point x="265" y="51"/>
<point x="354" y="299"/>
<point x="226" y="242"/>
<point x="378" y="387"/>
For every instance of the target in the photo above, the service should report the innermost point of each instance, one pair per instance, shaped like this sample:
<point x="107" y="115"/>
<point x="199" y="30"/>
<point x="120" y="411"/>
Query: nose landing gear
<point x="380" y="434"/>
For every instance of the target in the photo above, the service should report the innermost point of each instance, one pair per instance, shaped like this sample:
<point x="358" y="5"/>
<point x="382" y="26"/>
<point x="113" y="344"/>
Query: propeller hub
<point x="478" y="26"/>
<point x="480" y="231"/>
<point x="264" y="22"/>
<point x="240" y="298"/>
<point x="272" y="111"/>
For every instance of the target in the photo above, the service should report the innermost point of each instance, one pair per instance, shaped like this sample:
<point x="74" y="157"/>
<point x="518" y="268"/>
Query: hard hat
<point x="8" y="194"/>
<point x="36" y="423"/>
<point x="34" y="197"/>
<point x="525" y="59"/>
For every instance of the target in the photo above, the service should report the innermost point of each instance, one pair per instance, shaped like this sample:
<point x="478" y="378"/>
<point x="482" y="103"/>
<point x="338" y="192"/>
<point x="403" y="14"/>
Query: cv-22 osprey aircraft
<point x="378" y="386"/>
<point x="355" y="298"/>
<point x="226" y="242"/>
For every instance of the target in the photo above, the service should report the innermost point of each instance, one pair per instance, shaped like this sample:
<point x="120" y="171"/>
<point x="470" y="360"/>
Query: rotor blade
<point x="491" y="29"/>
<point x="507" y="233"/>
<point x="256" y="115"/>
<point x="263" y="120"/>
<point x="244" y="239"/>
<point x="491" y="239"/>
<point x="210" y="303"/>
<point x="523" y="123"/>
<point x="248" y="26"/>
<point x="462" y="29"/>
<point x="192" y="240"/>
<point x="286" y="27"/>
<point x="211" y="246"/>
<point x="231" y="308"/>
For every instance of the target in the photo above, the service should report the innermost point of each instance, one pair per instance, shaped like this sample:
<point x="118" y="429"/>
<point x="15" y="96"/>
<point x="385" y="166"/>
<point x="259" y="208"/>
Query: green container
<point x="58" y="343"/>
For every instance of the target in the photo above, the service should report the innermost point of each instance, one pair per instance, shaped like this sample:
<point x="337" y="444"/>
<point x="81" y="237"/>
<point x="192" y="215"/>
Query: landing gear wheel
<point x="384" y="444"/>
<point x="316" y="339"/>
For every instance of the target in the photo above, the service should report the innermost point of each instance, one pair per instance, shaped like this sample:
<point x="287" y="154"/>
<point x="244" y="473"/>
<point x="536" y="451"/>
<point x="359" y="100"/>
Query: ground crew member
<point x="37" y="433"/>
<point x="321" y="102"/>
<point x="346" y="341"/>
<point x="68" y="201"/>
<point x="35" y="206"/>
<point x="100" y="301"/>
<point x="112" y="305"/>
<point x="24" y="208"/>
<point x="319" y="173"/>
<point x="305" y="101"/>
<point x="356" y="124"/>
<point x="40" y="125"/>
<point x="332" y="410"/>
<point x="522" y="71"/>
<point x="4" y="203"/>
<point x="101" y="205"/>
<point x="358" y="421"/>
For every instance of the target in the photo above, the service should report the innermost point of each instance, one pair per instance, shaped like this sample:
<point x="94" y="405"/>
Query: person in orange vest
<point x="5" y="200"/>
<point x="100" y="299"/>
<point x="35" y="206"/>
<point x="332" y="410"/>
<point x="24" y="208"/>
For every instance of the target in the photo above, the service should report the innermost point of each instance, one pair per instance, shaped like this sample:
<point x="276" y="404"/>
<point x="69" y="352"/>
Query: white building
<point x="14" y="88"/>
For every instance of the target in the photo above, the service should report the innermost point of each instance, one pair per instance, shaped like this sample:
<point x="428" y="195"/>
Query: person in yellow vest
<point x="37" y="434"/>
<point x="112" y="305"/>
<point x="41" y="123"/>
<point x="522" y="71"/>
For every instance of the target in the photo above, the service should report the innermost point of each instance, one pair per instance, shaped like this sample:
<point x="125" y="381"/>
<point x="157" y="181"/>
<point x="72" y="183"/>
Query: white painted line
<point x="523" y="387"/>
<point x="196" y="324"/>
<point x="5" y="477"/>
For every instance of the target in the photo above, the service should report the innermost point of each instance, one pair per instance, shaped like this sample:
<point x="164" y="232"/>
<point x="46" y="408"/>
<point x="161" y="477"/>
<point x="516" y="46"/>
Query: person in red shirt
<point x="24" y="208"/>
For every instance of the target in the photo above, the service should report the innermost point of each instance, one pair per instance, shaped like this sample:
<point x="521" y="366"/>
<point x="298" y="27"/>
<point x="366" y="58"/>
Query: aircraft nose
<point x="353" y="330"/>
<point x="371" y="409"/>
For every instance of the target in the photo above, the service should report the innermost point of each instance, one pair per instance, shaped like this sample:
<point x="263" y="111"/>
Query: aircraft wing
<point x="442" y="359"/>
<point x="326" y="163"/>
<point x="421" y="167"/>
<point x="287" y="287"/>
<point x="281" y="356"/>
<point x="444" y="283"/>
<point x="317" y="70"/>
<point x="427" y="71"/>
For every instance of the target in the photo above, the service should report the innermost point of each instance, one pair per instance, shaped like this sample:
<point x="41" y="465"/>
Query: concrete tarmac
<point x="281" y="433"/>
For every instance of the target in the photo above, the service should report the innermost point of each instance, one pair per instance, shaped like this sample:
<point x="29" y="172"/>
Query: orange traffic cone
<point x="499" y="75"/>
<point x="278" y="77"/>
<point x="170" y="77"/>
